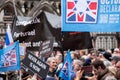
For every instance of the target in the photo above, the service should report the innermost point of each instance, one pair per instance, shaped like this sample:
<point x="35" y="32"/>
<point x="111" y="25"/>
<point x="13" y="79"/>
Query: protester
<point x="101" y="71"/>
<point x="77" y="65"/>
<point x="59" y="59"/>
<point x="93" y="56"/>
<point x="115" y="59"/>
<point x="107" y="59"/>
<point x="117" y="65"/>
<point x="51" y="61"/>
<point x="118" y="75"/>
<point x="112" y="70"/>
<point x="87" y="62"/>
<point x="83" y="54"/>
<point x="116" y="52"/>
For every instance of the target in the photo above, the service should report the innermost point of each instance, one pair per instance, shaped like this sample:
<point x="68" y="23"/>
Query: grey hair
<point x="77" y="61"/>
<point x="50" y="59"/>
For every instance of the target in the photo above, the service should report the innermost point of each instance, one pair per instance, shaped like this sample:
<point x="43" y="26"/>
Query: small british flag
<point x="81" y="11"/>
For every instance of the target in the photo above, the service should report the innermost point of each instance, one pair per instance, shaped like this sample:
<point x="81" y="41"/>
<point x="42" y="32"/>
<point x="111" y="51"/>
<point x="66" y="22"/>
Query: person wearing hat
<point x="106" y="59"/>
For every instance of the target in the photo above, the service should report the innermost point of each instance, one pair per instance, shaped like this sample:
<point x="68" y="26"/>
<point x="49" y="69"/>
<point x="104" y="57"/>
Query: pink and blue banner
<point x="10" y="58"/>
<point x="91" y="15"/>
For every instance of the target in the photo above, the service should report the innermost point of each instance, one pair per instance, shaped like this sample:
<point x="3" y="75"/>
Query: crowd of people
<point x="101" y="65"/>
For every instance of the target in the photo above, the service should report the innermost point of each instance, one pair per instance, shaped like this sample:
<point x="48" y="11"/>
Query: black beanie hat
<point x="107" y="55"/>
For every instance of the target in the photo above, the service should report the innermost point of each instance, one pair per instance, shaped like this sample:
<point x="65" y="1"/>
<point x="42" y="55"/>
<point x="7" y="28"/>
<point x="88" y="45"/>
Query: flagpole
<point x="14" y="7"/>
<point x="93" y="43"/>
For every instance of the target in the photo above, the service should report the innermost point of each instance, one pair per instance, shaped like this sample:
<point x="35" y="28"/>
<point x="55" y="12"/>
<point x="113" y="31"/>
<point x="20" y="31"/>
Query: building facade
<point x="32" y="8"/>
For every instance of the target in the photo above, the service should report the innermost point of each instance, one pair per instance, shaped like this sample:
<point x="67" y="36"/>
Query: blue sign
<point x="10" y="58"/>
<point x="91" y="15"/>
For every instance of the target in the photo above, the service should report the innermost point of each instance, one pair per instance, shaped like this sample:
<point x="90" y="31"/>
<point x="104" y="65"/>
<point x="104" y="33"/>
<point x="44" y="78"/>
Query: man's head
<point x="117" y="65"/>
<point x="116" y="50"/>
<point x="115" y="59"/>
<point x="52" y="63"/>
<point x="107" y="56"/>
<point x="59" y="58"/>
<point x="98" y="65"/>
<point x="77" y="64"/>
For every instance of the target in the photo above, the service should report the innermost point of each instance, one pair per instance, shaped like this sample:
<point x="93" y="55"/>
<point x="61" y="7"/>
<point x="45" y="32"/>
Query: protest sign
<point x="33" y="32"/>
<point x="35" y="65"/>
<point x="10" y="58"/>
<point x="29" y="32"/>
<point x="91" y="15"/>
<point x="46" y="48"/>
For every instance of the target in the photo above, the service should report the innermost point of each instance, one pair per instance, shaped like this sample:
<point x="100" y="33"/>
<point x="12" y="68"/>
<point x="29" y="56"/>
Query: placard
<point x="10" y="58"/>
<point x="46" y="48"/>
<point x="91" y="15"/>
<point x="35" y="65"/>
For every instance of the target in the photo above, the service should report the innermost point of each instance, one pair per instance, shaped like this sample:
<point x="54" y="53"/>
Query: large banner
<point x="32" y="32"/>
<point x="10" y="58"/>
<point x="91" y="15"/>
<point x="76" y="41"/>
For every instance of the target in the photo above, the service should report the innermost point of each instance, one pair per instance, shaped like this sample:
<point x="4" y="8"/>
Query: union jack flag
<point x="81" y="11"/>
